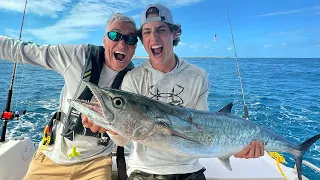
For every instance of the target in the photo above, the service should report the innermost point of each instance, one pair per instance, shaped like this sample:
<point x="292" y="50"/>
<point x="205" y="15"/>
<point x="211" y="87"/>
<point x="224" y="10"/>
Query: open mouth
<point x="157" y="50"/>
<point x="119" y="55"/>
<point x="93" y="106"/>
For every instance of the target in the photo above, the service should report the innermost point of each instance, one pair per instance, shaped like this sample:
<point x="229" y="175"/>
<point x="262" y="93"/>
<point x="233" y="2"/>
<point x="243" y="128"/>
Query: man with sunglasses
<point x="169" y="79"/>
<point x="69" y="150"/>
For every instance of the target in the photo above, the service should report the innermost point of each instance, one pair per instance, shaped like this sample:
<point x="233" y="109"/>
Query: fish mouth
<point x="95" y="109"/>
<point x="92" y="106"/>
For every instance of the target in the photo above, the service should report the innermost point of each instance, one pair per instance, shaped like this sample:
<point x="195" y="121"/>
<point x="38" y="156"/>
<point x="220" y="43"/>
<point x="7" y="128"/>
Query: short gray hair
<point x="118" y="17"/>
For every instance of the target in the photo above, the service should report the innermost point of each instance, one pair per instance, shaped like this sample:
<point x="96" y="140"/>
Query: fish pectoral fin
<point x="226" y="162"/>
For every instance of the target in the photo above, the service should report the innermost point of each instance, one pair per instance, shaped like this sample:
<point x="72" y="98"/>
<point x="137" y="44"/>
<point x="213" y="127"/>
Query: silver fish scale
<point x="225" y="134"/>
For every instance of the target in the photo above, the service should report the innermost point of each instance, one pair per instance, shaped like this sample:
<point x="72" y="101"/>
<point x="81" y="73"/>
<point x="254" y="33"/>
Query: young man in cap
<point x="103" y="65"/>
<point x="167" y="78"/>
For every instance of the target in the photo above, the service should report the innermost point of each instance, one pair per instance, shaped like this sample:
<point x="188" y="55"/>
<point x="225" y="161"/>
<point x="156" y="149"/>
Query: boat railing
<point x="310" y="165"/>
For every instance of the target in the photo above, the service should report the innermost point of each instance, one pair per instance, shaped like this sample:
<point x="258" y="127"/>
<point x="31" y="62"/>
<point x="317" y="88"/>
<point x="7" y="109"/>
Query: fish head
<point x="116" y="110"/>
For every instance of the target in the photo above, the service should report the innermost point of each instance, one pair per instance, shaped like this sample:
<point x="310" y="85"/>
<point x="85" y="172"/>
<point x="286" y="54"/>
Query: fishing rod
<point x="236" y="57"/>
<point x="7" y="114"/>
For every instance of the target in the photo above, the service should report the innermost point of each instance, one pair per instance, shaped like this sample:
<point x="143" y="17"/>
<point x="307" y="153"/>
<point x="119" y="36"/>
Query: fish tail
<point x="303" y="148"/>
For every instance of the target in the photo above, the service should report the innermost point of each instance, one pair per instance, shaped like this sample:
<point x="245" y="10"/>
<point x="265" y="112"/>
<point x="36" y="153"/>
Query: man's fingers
<point x="102" y="130"/>
<point x="88" y="124"/>
<point x="244" y="152"/>
<point x="94" y="128"/>
<point x="261" y="149"/>
<point x="84" y="119"/>
<point x="257" y="152"/>
<point x="252" y="151"/>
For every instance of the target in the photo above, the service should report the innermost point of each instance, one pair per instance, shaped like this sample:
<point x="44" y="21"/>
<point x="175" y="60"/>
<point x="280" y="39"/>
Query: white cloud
<point x="182" y="43"/>
<point x="76" y="20"/>
<point x="229" y="48"/>
<point x="15" y="35"/>
<point x="290" y="12"/>
<point x="12" y="33"/>
<point x="38" y="7"/>
<point x="284" y="44"/>
<point x="268" y="45"/>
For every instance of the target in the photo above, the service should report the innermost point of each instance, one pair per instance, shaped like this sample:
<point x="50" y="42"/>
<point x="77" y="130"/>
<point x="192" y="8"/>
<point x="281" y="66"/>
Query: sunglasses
<point x="129" y="39"/>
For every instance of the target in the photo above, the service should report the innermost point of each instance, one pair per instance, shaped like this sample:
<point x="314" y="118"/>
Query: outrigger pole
<point x="7" y="114"/>
<point x="246" y="113"/>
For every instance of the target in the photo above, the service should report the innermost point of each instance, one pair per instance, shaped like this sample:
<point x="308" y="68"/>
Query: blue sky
<point x="263" y="28"/>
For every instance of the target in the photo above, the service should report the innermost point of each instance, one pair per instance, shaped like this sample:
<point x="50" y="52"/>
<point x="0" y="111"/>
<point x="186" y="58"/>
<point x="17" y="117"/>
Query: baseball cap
<point x="165" y="15"/>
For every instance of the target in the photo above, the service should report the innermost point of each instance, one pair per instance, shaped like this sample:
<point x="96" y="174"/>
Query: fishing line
<point x="19" y="84"/>
<point x="236" y="58"/>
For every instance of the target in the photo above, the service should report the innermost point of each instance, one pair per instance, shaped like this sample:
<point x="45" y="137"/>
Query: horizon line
<point x="227" y="57"/>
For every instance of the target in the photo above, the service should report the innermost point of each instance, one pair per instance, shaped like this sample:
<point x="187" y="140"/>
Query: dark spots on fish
<point x="163" y="123"/>
<point x="189" y="119"/>
<point x="265" y="143"/>
<point x="198" y="127"/>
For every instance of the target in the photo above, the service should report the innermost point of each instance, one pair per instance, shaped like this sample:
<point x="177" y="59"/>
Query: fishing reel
<point x="9" y="115"/>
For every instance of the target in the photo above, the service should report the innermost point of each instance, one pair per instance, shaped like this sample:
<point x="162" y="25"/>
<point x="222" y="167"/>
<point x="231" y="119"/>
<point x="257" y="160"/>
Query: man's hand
<point x="93" y="127"/>
<point x="253" y="150"/>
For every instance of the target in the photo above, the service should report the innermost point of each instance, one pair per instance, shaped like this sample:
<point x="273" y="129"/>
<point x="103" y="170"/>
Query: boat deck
<point x="263" y="168"/>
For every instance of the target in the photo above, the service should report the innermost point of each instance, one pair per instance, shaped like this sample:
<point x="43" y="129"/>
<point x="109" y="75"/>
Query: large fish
<point x="182" y="131"/>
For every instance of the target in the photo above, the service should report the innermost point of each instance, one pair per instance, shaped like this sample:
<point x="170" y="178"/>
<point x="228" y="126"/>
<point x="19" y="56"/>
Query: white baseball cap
<point x="165" y="15"/>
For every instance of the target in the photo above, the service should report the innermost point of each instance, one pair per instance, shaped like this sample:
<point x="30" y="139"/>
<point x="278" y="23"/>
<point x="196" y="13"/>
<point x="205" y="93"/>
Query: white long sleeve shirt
<point x="67" y="60"/>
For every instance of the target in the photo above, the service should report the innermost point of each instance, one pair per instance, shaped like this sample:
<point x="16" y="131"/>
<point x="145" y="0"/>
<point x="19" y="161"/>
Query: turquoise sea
<point x="281" y="94"/>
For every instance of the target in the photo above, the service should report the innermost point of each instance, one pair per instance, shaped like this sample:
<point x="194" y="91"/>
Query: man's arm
<point x="57" y="57"/>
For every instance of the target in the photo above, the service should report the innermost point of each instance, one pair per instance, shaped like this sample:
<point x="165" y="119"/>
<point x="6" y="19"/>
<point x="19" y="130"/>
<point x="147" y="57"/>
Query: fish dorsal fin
<point x="227" y="108"/>
<point x="226" y="162"/>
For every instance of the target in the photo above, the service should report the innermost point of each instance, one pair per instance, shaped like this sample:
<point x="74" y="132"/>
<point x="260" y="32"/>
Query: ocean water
<point x="281" y="94"/>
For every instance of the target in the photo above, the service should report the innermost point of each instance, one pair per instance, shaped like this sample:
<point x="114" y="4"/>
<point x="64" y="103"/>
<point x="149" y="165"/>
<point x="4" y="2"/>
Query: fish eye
<point x="118" y="102"/>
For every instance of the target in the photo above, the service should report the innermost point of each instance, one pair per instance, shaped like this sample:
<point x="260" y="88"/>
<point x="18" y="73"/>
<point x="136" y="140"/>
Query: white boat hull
<point x="15" y="156"/>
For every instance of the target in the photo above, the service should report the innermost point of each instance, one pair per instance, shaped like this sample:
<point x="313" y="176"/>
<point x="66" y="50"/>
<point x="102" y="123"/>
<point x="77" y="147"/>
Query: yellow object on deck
<point x="279" y="159"/>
